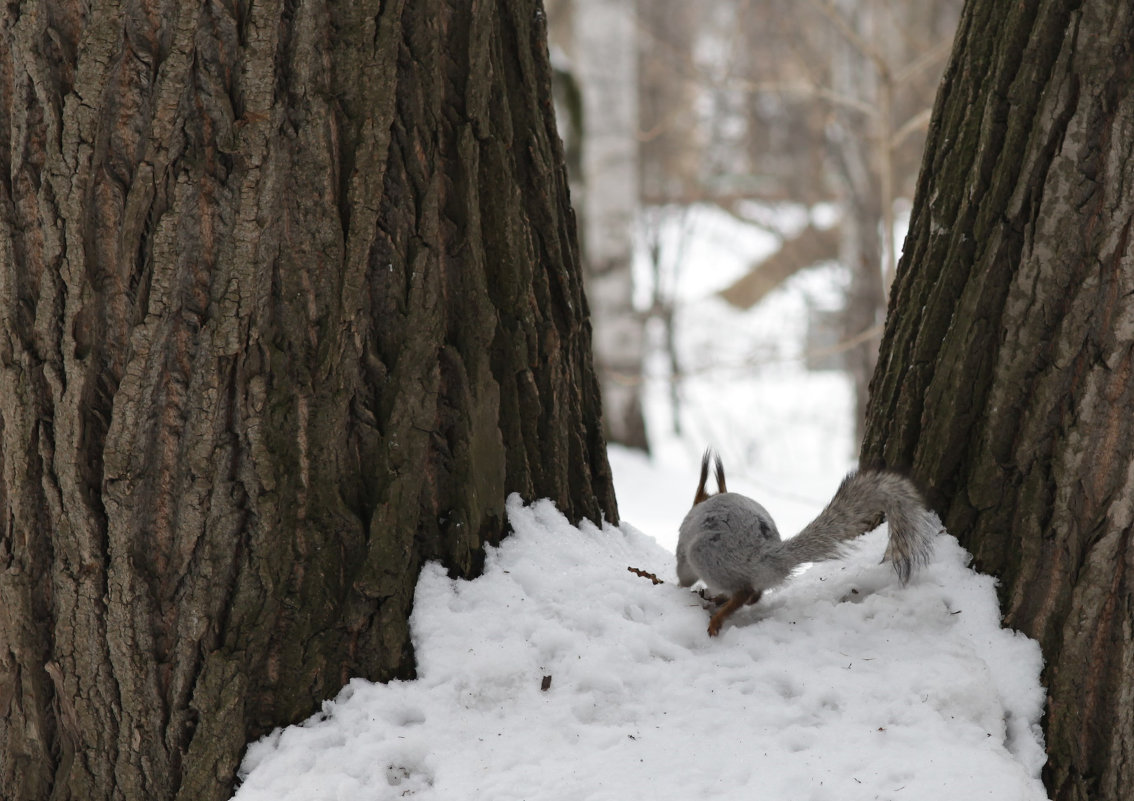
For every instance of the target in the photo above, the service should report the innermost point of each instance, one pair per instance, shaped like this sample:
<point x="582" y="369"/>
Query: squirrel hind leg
<point x="738" y="599"/>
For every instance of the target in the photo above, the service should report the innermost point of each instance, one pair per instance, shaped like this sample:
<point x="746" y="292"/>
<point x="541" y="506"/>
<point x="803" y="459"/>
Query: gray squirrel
<point x="731" y="543"/>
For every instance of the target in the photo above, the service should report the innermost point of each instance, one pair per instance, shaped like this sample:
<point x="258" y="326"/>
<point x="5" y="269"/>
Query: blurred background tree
<point x="802" y="120"/>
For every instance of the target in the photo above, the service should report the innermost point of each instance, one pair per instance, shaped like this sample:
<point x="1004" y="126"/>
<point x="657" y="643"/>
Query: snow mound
<point x="842" y="684"/>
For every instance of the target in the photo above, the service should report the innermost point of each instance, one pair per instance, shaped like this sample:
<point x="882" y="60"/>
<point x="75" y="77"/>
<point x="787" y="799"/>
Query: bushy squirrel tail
<point x="864" y="499"/>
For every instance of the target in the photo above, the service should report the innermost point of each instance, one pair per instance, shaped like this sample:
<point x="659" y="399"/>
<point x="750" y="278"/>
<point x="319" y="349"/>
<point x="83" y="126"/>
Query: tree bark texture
<point x="1005" y="378"/>
<point x="289" y="303"/>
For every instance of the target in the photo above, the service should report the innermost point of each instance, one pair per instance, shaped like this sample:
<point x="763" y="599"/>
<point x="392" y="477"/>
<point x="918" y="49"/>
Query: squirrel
<point x="731" y="543"/>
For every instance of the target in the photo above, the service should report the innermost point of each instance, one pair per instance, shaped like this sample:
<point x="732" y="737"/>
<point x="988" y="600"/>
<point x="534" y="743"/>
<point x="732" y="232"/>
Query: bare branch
<point x="923" y="62"/>
<point x="918" y="122"/>
<point x="852" y="36"/>
<point x="809" y="247"/>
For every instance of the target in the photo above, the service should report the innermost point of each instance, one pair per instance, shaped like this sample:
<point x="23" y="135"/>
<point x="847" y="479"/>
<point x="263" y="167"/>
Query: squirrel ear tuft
<point x="707" y="457"/>
<point x="701" y="494"/>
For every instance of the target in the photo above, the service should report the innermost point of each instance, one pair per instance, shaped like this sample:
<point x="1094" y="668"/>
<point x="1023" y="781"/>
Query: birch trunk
<point x="605" y="55"/>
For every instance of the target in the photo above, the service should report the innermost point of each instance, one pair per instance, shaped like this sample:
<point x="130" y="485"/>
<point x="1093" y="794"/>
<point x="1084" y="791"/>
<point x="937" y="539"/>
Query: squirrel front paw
<point x="731" y="605"/>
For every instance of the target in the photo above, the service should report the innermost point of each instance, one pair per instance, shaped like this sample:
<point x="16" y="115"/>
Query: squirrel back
<point x="731" y="543"/>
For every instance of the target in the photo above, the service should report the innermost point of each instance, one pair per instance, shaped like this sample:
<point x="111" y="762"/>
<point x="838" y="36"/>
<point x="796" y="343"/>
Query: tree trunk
<point x="289" y="303"/>
<point x="852" y="142"/>
<point x="600" y="38"/>
<point x="1005" y="378"/>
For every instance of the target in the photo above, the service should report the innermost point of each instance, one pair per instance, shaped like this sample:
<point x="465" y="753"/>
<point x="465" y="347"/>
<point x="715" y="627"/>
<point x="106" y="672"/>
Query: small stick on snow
<point x="644" y="574"/>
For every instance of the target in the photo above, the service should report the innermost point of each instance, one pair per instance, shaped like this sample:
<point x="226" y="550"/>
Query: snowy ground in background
<point x="789" y="450"/>
<point x="839" y="685"/>
<point x="785" y="433"/>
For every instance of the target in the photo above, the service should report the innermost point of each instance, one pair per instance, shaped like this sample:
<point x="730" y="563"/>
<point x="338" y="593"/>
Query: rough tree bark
<point x="1005" y="377"/>
<point x="289" y="303"/>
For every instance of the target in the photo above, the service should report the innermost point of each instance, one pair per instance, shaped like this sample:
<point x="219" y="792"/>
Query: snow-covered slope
<point x="842" y="685"/>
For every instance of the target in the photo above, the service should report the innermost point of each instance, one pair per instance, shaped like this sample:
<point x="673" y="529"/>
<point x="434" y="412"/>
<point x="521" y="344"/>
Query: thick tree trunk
<point x="289" y="303"/>
<point x="1005" y="378"/>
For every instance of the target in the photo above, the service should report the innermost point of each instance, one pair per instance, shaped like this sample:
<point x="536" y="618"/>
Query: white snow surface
<point x="842" y="684"/>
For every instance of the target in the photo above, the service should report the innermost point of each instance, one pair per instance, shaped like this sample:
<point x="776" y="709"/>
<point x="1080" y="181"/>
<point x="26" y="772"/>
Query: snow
<point x="840" y="684"/>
